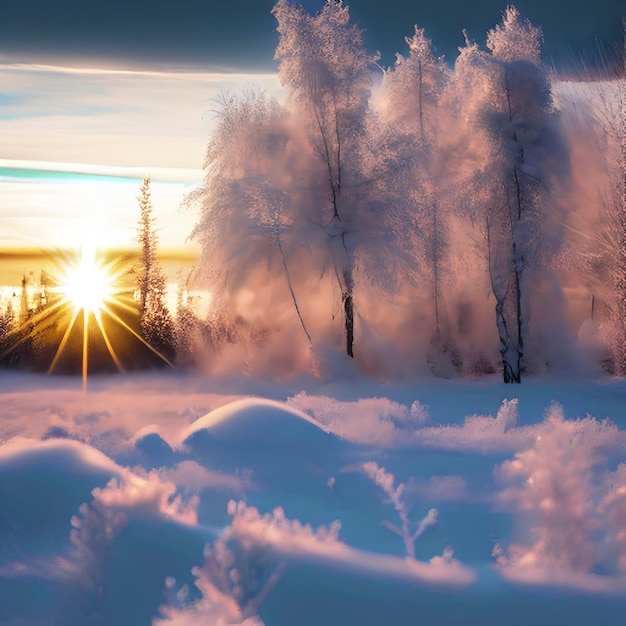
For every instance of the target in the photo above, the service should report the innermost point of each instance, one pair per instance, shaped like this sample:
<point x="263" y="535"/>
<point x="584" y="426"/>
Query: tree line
<point x="429" y="217"/>
<point x="427" y="212"/>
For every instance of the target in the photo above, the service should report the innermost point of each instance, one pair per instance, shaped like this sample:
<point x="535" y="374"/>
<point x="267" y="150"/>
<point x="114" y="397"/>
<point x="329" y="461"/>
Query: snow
<point x="169" y="498"/>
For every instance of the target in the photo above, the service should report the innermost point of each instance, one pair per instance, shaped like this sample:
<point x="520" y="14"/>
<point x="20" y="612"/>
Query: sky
<point x="79" y="142"/>
<point x="94" y="97"/>
<point x="241" y="35"/>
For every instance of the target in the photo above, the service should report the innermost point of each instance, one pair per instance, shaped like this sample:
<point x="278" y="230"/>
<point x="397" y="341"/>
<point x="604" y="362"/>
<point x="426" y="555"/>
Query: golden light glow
<point x="89" y="285"/>
<point x="90" y="289"/>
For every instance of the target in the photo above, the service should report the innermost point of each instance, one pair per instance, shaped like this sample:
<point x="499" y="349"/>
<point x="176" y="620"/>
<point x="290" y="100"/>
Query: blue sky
<point x="241" y="35"/>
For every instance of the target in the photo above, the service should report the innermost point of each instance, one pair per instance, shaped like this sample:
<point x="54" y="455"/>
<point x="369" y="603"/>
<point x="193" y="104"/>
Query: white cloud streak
<point x="116" y="117"/>
<point x="105" y="121"/>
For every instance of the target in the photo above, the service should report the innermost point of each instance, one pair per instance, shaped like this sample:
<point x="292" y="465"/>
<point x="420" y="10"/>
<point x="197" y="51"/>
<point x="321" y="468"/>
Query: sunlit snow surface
<point x="172" y="500"/>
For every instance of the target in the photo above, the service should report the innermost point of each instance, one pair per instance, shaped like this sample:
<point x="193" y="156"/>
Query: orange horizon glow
<point x="93" y="287"/>
<point x="15" y="262"/>
<point x="88" y="285"/>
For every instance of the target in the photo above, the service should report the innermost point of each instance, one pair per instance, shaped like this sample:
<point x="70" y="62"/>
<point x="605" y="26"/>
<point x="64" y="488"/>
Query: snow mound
<point x="275" y="446"/>
<point x="154" y="451"/>
<point x="62" y="455"/>
<point x="258" y="421"/>
<point x="42" y="484"/>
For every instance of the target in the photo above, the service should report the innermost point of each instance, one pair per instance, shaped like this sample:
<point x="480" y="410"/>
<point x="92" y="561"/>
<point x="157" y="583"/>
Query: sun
<point x="90" y="296"/>
<point x="88" y="286"/>
<point x="94" y="290"/>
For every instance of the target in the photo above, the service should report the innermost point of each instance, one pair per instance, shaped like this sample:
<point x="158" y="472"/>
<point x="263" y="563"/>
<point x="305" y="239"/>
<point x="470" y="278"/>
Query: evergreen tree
<point x="7" y="323"/>
<point x="155" y="319"/>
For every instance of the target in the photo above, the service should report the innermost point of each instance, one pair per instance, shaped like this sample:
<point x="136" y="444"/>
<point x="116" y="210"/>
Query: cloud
<point x="119" y="125"/>
<point x="48" y="201"/>
<point x="121" y="118"/>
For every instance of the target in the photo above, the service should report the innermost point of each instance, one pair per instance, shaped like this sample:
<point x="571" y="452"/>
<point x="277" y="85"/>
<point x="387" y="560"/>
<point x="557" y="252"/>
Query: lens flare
<point x="89" y="285"/>
<point x="97" y="291"/>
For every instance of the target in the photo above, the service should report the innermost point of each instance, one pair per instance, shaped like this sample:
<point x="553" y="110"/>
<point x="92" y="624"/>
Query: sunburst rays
<point x="89" y="285"/>
<point x="96" y="292"/>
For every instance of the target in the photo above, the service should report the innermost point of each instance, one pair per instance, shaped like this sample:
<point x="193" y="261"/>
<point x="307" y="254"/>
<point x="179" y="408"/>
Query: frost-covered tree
<point x="412" y="92"/>
<point x="7" y="323"/>
<point x="155" y="319"/>
<point x="507" y="104"/>
<point x="622" y="285"/>
<point x="25" y="307"/>
<point x="249" y="208"/>
<point x="325" y="70"/>
<point x="428" y="200"/>
<point x="412" y="89"/>
<point x="299" y="196"/>
<point x="593" y="205"/>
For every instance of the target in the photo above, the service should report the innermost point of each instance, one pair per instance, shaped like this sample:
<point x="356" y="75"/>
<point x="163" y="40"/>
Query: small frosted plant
<point x="385" y="480"/>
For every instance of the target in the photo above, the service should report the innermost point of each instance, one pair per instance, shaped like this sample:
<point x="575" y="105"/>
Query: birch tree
<point x="324" y="68"/>
<point x="248" y="210"/>
<point x="529" y="150"/>
<point x="412" y="91"/>
<point x="515" y="148"/>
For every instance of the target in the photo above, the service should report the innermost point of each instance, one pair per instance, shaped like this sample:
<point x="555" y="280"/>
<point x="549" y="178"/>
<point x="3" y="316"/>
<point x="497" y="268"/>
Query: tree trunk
<point x="511" y="357"/>
<point x="621" y="365"/>
<point x="515" y="220"/>
<point x="518" y="312"/>
<point x="348" y="305"/>
<point x="436" y="265"/>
